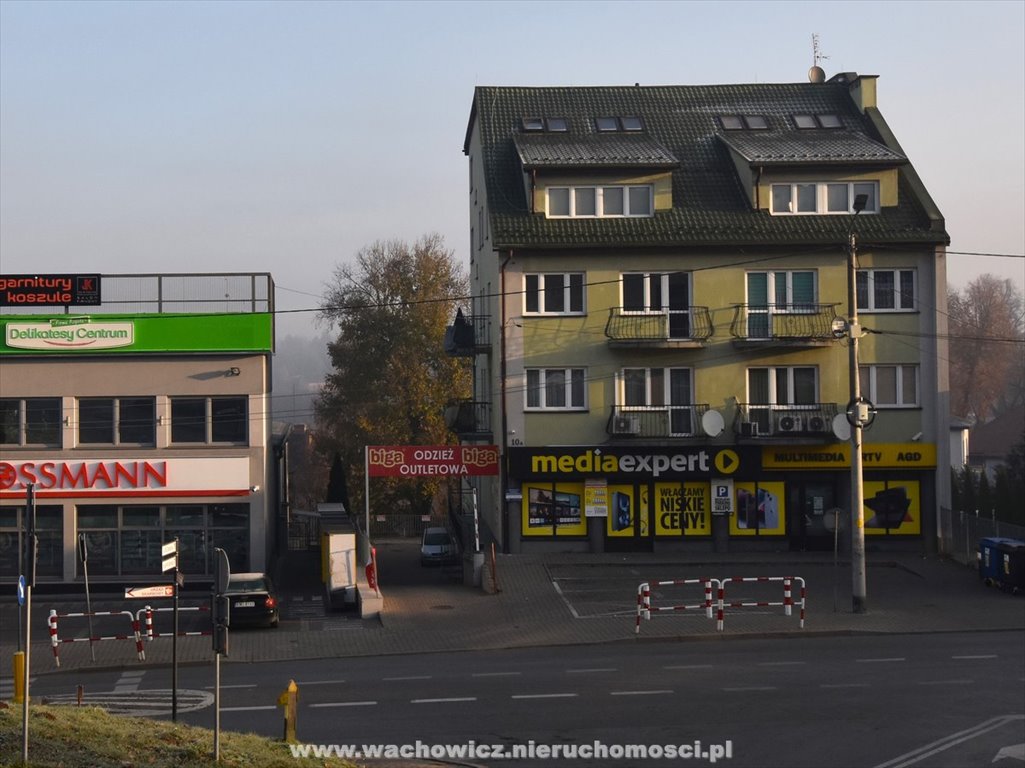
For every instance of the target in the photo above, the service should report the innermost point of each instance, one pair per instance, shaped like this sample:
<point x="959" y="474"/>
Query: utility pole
<point x="857" y="416"/>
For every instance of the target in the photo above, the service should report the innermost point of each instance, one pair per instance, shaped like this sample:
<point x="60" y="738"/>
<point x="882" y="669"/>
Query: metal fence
<point x="962" y="531"/>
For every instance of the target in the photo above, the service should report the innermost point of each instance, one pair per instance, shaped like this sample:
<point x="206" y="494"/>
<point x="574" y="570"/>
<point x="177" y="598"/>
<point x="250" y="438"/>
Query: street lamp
<point x="858" y="416"/>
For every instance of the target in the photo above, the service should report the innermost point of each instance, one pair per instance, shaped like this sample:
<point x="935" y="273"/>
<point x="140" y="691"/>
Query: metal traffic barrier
<point x="148" y="612"/>
<point x="644" y="607"/>
<point x="787" y="603"/>
<point x="55" y="639"/>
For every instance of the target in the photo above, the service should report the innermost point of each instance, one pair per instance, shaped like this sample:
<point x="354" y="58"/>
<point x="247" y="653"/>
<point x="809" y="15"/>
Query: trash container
<point x="990" y="559"/>
<point x="1011" y="565"/>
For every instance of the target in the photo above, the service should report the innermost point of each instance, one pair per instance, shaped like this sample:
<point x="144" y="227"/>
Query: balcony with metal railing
<point x="468" y="335"/>
<point x="469" y="419"/>
<point x="812" y="421"/>
<point x="656" y="421"/>
<point x="792" y="325"/>
<point x="666" y="329"/>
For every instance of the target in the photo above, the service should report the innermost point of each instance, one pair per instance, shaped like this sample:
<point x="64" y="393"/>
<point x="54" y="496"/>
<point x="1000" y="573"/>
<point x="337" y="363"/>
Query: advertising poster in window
<point x="553" y="510"/>
<point x="625" y="513"/>
<point x="681" y="509"/>
<point x="893" y="506"/>
<point x="759" y="510"/>
<point x="596" y="497"/>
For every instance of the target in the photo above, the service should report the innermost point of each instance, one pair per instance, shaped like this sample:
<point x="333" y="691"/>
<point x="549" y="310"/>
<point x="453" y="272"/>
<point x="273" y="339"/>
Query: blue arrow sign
<point x="21" y="590"/>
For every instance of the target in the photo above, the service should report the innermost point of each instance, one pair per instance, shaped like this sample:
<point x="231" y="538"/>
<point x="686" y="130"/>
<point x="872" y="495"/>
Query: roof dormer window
<point x="818" y="121"/>
<point x="740" y="122"/>
<point x="539" y="124"/>
<point x="611" y="124"/>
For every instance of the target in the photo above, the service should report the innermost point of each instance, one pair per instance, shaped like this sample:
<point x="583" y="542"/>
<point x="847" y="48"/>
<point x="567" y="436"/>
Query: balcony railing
<point x="670" y="327"/>
<point x="656" y="421"/>
<point x="802" y="324"/>
<point x="468" y="335"/>
<point x="470" y="419"/>
<point x="814" y="420"/>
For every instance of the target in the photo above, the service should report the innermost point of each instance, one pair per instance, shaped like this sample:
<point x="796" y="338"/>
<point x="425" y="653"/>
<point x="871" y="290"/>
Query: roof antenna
<point x="816" y="74"/>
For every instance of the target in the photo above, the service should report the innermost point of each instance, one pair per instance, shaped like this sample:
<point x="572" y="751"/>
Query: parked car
<point x="252" y="600"/>
<point x="436" y="547"/>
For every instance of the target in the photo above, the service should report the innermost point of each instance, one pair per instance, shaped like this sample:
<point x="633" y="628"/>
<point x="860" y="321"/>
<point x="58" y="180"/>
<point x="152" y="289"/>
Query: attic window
<point x="557" y="124"/>
<point x="818" y="121"/>
<point x="630" y="123"/>
<point x="739" y="122"/>
<point x="552" y="124"/>
<point x="533" y="124"/>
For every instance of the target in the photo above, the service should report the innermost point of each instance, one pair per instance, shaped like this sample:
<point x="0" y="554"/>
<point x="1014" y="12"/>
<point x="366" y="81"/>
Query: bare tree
<point x="987" y="366"/>
<point x="390" y="377"/>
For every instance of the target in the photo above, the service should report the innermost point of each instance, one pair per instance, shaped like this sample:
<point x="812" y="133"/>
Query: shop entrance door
<point x="627" y="528"/>
<point x="813" y="498"/>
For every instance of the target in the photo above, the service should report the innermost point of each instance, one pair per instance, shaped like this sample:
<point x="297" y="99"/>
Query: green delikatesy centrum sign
<point x="54" y="334"/>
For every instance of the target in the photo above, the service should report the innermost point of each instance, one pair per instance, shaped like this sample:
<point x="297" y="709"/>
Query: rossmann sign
<point x="624" y="463"/>
<point x="125" y="477"/>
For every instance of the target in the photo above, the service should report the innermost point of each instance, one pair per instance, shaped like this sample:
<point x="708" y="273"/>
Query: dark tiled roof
<point x="998" y="437"/>
<point x="818" y="147"/>
<point x="603" y="151"/>
<point x="709" y="205"/>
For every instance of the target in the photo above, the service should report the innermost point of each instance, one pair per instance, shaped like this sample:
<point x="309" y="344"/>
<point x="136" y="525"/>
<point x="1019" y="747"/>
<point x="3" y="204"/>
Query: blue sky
<point x="284" y="137"/>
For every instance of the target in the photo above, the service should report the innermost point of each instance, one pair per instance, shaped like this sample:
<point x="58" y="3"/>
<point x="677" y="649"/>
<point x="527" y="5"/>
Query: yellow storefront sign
<point x="838" y="456"/>
<point x="682" y="509"/>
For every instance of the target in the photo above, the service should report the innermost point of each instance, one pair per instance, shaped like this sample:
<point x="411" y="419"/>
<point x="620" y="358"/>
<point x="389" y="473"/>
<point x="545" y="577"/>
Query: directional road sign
<point x="160" y="590"/>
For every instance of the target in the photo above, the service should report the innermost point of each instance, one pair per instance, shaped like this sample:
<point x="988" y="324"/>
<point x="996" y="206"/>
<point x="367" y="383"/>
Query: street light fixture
<point x="858" y="415"/>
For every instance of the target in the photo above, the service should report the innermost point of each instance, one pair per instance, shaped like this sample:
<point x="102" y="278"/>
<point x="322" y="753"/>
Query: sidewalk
<point x="570" y="599"/>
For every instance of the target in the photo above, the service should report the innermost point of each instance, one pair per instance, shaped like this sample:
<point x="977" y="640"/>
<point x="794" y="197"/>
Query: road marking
<point x="345" y="704"/>
<point x="140" y="703"/>
<point x="224" y="687"/>
<point x="443" y="701"/>
<point x="844" y="685"/>
<point x="558" y="591"/>
<point x="781" y="663"/>
<point x="935" y="747"/>
<point x="946" y="682"/>
<point x="878" y="661"/>
<point x="638" y="693"/>
<point x="129" y="681"/>
<point x="495" y="674"/>
<point x="751" y="688"/>
<point x="689" y="666"/>
<point x="979" y="656"/>
<point x="545" y="695"/>
<point x="246" y="709"/>
<point x="589" y="671"/>
<point x="319" y="682"/>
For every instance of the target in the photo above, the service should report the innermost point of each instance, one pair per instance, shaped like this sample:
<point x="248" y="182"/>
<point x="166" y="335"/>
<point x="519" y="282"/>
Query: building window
<point x="117" y="420"/>
<point x="30" y="421"/>
<point x="210" y="420"/>
<point x="601" y="201"/>
<point x="659" y="293"/>
<point x="609" y="124"/>
<point x="554" y="293"/>
<point x="769" y="389"/>
<point x="890" y="386"/>
<point x="740" y="122"/>
<point x="886" y="290"/>
<point x="823" y="197"/>
<point x="668" y="393"/>
<point x="550" y="124"/>
<point x="778" y="293"/>
<point x="126" y="540"/>
<point x="559" y="389"/>
<point x="50" y="532"/>
<point x="818" y="121"/>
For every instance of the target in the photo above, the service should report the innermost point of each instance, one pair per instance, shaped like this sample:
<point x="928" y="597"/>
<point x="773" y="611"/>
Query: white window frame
<point x="649" y="399"/>
<point x="899" y="299"/>
<point x="568" y="294"/>
<point x="789" y="401"/>
<point x="822" y="198"/>
<point x="536" y="381"/>
<point x="599" y="206"/>
<point x="870" y="384"/>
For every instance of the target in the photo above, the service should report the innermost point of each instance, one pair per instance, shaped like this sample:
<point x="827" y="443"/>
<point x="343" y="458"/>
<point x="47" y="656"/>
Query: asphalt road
<point x="896" y="700"/>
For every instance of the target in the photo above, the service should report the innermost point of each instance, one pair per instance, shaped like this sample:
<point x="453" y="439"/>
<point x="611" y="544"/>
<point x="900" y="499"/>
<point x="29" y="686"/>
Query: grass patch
<point x="89" y="737"/>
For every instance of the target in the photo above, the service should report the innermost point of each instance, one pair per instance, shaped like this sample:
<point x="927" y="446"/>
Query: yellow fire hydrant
<point x="289" y="699"/>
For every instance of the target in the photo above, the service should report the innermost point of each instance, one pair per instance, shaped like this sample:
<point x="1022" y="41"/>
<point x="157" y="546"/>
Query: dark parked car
<point x="252" y="600"/>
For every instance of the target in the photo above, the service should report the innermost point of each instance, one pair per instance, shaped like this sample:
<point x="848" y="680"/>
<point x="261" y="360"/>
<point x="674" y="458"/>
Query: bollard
<point x="80" y="694"/>
<point x="19" y="677"/>
<point x="289" y="699"/>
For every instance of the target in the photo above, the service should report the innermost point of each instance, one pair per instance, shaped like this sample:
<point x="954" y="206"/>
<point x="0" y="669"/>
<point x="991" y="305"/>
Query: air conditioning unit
<point x="789" y="424"/>
<point x="626" y="425"/>
<point x="818" y="424"/>
<point x="749" y="429"/>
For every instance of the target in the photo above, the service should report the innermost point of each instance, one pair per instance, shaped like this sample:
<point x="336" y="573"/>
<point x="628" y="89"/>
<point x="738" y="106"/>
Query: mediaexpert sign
<point x="432" y="460"/>
<point x="49" y="290"/>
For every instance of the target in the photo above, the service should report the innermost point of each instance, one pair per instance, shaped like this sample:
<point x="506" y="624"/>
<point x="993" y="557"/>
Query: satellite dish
<point x="841" y="428"/>
<point x="816" y="75"/>
<point x="713" y="424"/>
<point x="835" y="519"/>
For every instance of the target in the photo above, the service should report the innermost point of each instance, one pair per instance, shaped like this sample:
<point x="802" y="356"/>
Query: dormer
<point x="608" y="167"/>
<point x="811" y="163"/>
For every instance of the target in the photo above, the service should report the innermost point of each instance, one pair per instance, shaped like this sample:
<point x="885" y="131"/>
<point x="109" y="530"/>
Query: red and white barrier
<point x="148" y="612"/>
<point x="644" y="607"/>
<point x="55" y="639"/>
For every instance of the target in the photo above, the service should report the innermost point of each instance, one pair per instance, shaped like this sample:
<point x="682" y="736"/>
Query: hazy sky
<point x="285" y="136"/>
